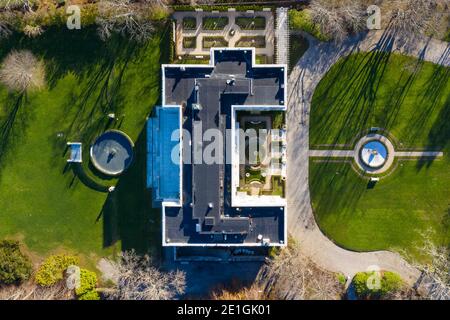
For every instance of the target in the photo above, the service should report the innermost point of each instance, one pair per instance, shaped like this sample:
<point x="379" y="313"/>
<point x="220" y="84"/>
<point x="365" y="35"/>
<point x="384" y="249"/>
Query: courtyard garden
<point x="53" y="206"/>
<point x="410" y="100"/>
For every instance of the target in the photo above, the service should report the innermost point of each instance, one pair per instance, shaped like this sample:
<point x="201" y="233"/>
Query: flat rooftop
<point x="206" y="97"/>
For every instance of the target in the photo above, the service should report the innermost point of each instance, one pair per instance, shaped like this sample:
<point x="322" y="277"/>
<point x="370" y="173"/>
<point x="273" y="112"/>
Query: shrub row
<point x="14" y="265"/>
<point x="207" y="8"/>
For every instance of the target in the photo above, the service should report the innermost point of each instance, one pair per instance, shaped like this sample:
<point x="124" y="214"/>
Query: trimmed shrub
<point x="90" y="295"/>
<point x="14" y="265"/>
<point x="88" y="282"/>
<point x="22" y="71"/>
<point x="52" y="270"/>
<point x="389" y="283"/>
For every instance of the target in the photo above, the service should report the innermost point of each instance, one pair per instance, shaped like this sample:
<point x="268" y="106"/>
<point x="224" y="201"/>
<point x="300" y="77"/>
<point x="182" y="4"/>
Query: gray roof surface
<point x="205" y="184"/>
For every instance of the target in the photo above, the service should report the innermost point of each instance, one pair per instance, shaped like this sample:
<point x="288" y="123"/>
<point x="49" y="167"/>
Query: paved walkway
<point x="199" y="33"/>
<point x="282" y="35"/>
<point x="392" y="154"/>
<point x="302" y="82"/>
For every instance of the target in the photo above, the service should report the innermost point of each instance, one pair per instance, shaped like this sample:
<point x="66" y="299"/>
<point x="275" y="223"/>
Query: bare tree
<point x="129" y="18"/>
<point x="22" y="71"/>
<point x="138" y="279"/>
<point x="291" y="275"/>
<point x="6" y="19"/>
<point x="31" y="291"/>
<point x="25" y="5"/>
<point x="5" y="29"/>
<point x="336" y="18"/>
<point x="253" y="292"/>
<point x="408" y="17"/>
<point x="435" y="279"/>
<point x="32" y="31"/>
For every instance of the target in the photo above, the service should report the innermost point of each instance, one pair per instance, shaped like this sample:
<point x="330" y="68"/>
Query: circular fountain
<point x="112" y="152"/>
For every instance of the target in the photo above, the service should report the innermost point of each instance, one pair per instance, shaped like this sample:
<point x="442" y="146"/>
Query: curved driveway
<point x="303" y="80"/>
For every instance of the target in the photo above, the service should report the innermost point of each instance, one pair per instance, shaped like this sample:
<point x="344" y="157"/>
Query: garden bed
<point x="189" y="23"/>
<point x="189" y="42"/>
<point x="209" y="42"/>
<point x="255" y="42"/>
<point x="251" y="23"/>
<point x="214" y="23"/>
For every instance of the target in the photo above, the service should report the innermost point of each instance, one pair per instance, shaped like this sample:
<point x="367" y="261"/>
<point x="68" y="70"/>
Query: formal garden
<point x="409" y="100"/>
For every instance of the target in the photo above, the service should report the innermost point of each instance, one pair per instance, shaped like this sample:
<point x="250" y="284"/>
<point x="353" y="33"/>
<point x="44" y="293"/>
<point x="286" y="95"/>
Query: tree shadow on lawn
<point x="127" y="214"/>
<point x="351" y="94"/>
<point x="350" y="97"/>
<point x="100" y="95"/>
<point x="335" y="186"/>
<point x="63" y="50"/>
<point x="13" y="125"/>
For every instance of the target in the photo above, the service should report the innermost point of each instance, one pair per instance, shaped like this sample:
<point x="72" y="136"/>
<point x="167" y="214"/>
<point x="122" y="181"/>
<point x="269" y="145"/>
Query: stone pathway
<point x="391" y="152"/>
<point x="303" y="80"/>
<point x="282" y="35"/>
<point x="200" y="33"/>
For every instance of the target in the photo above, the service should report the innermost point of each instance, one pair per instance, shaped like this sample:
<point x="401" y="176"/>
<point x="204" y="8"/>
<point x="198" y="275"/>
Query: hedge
<point x="209" y="8"/>
<point x="14" y="265"/>
<point x="88" y="285"/>
<point x="389" y="282"/>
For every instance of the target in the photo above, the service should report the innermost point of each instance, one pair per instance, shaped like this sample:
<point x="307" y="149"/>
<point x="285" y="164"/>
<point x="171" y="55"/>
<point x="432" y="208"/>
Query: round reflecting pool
<point x="374" y="154"/>
<point x="112" y="152"/>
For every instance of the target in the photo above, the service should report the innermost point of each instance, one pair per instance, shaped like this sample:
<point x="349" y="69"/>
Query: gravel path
<point x="302" y="82"/>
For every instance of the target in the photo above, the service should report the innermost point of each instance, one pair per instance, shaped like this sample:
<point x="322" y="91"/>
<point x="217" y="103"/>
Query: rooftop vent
<point x="209" y="221"/>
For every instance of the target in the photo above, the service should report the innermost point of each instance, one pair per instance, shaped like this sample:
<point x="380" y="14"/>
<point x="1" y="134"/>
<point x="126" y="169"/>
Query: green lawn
<point x="411" y="100"/>
<point x="42" y="200"/>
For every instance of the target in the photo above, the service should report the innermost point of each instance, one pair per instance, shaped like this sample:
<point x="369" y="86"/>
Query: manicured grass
<point x="389" y="216"/>
<point x="249" y="41"/>
<point x="189" y="23"/>
<point x="42" y="199"/>
<point x="407" y="97"/>
<point x="411" y="100"/>
<point x="209" y="42"/>
<point x="298" y="46"/>
<point x="189" y="42"/>
<point x="249" y="23"/>
<point x="214" y="23"/>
